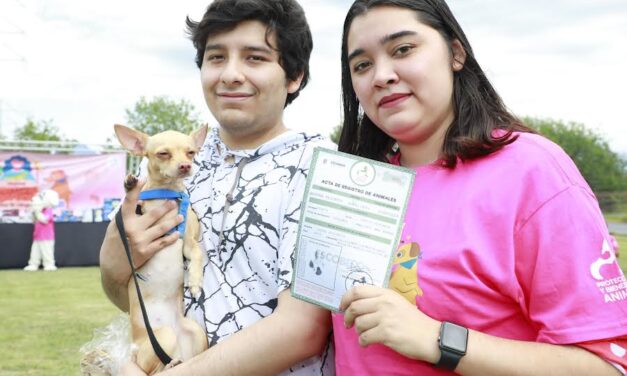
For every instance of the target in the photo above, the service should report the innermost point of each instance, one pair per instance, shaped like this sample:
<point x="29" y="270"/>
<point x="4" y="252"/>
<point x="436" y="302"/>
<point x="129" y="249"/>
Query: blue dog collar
<point x="166" y="194"/>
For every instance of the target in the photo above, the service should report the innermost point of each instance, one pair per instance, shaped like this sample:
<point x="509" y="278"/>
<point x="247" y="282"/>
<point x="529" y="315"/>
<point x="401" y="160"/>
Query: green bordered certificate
<point x="351" y="221"/>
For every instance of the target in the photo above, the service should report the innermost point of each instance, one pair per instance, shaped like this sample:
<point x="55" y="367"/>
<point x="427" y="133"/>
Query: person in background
<point x="42" y="249"/>
<point x="514" y="274"/>
<point x="253" y="57"/>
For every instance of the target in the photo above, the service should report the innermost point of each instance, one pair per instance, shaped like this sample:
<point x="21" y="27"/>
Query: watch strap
<point x="451" y="352"/>
<point x="448" y="359"/>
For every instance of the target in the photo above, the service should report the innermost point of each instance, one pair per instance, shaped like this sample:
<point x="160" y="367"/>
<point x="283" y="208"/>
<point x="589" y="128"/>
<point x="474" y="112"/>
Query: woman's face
<point x="402" y="73"/>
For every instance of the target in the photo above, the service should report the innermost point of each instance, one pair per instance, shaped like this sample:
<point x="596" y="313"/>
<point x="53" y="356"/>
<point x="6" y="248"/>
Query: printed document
<point x="351" y="221"/>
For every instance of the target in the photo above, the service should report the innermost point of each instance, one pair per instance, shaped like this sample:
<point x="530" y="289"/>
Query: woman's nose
<point x="385" y="74"/>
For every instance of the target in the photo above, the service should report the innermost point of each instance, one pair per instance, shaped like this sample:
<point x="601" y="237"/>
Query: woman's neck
<point x="420" y="154"/>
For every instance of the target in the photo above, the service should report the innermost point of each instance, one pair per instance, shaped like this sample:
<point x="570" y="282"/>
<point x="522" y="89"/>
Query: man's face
<point x="244" y="86"/>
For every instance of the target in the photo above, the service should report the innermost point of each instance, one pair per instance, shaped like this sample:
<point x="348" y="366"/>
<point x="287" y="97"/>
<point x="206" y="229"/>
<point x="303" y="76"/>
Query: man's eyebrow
<point x="218" y="46"/>
<point x="265" y="50"/>
<point x="213" y="47"/>
<point x="384" y="40"/>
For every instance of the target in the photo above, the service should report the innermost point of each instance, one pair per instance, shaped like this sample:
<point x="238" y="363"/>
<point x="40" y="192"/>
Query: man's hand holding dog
<point x="147" y="233"/>
<point x="146" y="236"/>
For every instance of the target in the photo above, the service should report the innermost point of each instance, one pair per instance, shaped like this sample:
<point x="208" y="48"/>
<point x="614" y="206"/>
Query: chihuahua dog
<point x="169" y="156"/>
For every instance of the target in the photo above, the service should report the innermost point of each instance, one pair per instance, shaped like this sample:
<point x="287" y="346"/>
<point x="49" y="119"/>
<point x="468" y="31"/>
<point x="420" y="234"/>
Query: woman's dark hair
<point x="477" y="107"/>
<point x="285" y="18"/>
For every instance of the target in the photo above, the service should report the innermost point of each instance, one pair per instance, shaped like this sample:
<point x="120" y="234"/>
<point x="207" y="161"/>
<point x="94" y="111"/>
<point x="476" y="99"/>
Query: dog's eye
<point x="163" y="154"/>
<point x="191" y="154"/>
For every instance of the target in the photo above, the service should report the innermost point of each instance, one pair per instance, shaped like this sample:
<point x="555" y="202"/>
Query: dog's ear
<point x="132" y="140"/>
<point x="199" y="135"/>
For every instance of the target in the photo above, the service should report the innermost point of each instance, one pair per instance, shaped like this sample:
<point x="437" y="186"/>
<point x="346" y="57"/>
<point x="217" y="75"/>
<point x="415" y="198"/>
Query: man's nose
<point x="232" y="73"/>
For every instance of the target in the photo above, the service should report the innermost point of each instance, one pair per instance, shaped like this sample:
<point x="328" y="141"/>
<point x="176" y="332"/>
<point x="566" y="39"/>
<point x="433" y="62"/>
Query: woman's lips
<point x="392" y="100"/>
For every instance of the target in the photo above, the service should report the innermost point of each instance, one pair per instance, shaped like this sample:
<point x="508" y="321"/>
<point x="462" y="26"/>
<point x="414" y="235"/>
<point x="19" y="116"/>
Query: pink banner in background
<point x="83" y="182"/>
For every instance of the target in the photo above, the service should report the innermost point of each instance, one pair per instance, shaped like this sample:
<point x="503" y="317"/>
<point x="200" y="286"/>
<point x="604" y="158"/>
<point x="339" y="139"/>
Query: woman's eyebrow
<point x="384" y="40"/>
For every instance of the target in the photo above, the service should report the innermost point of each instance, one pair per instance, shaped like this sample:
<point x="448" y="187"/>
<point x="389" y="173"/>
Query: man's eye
<point x="215" y="57"/>
<point x="256" y="58"/>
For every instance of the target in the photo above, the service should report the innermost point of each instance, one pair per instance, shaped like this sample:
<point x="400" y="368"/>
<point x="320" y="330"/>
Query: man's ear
<point x="459" y="55"/>
<point x="294" y="85"/>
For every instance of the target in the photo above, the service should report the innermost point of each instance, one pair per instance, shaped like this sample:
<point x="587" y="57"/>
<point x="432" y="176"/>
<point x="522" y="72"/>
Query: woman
<point x="514" y="267"/>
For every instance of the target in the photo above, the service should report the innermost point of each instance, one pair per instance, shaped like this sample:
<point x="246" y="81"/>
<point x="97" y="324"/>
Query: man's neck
<point x="239" y="141"/>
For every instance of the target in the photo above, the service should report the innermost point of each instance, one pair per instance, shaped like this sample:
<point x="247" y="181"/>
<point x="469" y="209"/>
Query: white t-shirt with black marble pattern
<point x="249" y="250"/>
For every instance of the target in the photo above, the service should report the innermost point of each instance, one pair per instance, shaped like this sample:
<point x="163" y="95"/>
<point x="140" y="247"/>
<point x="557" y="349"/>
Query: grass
<point x="616" y="217"/>
<point x="46" y="316"/>
<point x="622" y="260"/>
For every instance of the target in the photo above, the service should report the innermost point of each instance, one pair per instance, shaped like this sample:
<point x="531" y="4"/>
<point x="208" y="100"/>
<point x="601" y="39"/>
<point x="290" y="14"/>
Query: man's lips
<point x="234" y="95"/>
<point x="393" y="99"/>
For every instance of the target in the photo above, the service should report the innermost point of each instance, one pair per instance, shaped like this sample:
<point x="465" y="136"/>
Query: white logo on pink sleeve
<point x="595" y="268"/>
<point x="610" y="279"/>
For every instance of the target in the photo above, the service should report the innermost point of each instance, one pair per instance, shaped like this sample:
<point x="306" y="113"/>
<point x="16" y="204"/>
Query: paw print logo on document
<point x="404" y="279"/>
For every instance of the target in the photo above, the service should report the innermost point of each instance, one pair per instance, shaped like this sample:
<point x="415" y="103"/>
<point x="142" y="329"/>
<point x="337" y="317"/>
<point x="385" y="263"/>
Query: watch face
<point x="454" y="337"/>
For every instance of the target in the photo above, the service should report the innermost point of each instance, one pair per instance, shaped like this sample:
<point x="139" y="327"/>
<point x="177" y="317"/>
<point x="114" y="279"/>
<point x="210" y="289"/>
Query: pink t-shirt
<point x="513" y="245"/>
<point x="44" y="231"/>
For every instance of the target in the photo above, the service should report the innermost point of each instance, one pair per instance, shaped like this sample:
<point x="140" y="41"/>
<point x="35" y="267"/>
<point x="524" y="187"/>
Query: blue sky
<point x="82" y="63"/>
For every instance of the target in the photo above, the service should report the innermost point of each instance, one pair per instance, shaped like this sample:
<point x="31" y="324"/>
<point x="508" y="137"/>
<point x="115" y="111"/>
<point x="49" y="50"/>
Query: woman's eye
<point x="361" y="66"/>
<point x="403" y="50"/>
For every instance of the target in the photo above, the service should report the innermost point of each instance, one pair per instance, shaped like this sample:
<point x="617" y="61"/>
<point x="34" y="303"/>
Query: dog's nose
<point x="185" y="167"/>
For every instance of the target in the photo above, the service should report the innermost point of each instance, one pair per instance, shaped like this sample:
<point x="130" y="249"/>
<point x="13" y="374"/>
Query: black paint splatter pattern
<point x="250" y="240"/>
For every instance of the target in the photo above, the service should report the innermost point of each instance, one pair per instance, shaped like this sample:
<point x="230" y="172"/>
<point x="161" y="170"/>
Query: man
<point x="253" y="57"/>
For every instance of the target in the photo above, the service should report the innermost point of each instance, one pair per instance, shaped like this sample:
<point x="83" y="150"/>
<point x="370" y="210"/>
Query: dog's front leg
<point x="192" y="252"/>
<point x="130" y="182"/>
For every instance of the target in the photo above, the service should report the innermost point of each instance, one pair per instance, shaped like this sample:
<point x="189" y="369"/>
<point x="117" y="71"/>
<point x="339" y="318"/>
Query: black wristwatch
<point x="452" y="341"/>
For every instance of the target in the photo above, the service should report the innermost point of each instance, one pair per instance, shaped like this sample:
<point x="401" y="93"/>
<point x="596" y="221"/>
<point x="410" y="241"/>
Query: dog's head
<point x="169" y="153"/>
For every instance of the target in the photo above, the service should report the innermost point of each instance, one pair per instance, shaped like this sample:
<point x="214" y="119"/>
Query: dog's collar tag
<point x="166" y="194"/>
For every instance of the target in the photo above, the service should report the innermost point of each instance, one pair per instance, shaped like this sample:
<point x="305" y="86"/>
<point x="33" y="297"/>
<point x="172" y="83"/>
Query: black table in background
<point x="76" y="243"/>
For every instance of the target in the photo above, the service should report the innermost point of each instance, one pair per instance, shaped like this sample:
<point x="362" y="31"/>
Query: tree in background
<point x="336" y="133"/>
<point x="603" y="169"/>
<point x="162" y="113"/>
<point x="42" y="130"/>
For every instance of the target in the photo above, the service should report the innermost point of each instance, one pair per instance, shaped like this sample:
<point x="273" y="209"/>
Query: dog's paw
<point x="130" y="182"/>
<point x="195" y="290"/>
